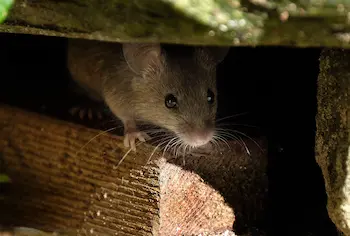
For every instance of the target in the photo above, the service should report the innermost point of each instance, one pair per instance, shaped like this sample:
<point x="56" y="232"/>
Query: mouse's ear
<point x="211" y="54"/>
<point x="141" y="56"/>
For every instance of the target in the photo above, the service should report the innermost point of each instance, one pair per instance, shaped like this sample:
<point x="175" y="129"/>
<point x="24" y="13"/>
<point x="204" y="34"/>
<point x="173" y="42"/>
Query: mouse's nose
<point x="199" y="137"/>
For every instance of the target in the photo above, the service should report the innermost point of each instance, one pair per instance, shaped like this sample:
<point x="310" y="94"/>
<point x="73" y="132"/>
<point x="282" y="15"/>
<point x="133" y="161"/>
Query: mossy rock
<point x="333" y="133"/>
<point x="217" y="22"/>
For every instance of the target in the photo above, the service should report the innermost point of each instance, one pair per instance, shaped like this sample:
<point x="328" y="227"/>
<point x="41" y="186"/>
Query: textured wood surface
<point x="232" y="178"/>
<point x="54" y="190"/>
<point x="59" y="186"/>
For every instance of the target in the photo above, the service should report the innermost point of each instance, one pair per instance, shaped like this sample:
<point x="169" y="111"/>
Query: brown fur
<point x="134" y="82"/>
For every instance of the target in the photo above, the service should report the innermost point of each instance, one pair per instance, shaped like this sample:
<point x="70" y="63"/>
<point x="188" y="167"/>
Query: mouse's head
<point x="175" y="88"/>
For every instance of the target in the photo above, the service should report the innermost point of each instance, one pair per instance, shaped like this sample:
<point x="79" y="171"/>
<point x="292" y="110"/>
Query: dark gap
<point x="274" y="86"/>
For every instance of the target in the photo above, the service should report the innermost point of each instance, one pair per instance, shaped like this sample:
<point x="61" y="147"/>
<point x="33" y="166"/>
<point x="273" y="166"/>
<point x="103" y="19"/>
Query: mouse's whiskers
<point x="126" y="154"/>
<point x="226" y="134"/>
<point x="231" y="116"/>
<point x="235" y="124"/>
<point x="96" y="136"/>
<point x="215" y="143"/>
<point x="123" y="158"/>
<point x="172" y="139"/>
<point x="170" y="144"/>
<point x="219" y="137"/>
<point x="176" y="147"/>
<point x="154" y="150"/>
<point x="247" y="136"/>
<point x="157" y="134"/>
<point x="237" y="136"/>
<point x="185" y="147"/>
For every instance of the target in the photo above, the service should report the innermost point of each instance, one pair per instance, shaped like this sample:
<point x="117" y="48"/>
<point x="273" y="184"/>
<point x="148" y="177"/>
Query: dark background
<point x="275" y="86"/>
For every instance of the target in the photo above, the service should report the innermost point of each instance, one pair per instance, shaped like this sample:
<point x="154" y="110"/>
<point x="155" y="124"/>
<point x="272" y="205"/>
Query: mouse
<point x="171" y="86"/>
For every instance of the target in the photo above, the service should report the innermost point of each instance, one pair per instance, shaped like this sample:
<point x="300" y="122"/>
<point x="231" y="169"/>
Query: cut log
<point x="254" y="22"/>
<point x="64" y="181"/>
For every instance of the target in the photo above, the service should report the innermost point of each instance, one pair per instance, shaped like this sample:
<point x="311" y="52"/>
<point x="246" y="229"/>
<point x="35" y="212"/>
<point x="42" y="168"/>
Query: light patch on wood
<point x="188" y="205"/>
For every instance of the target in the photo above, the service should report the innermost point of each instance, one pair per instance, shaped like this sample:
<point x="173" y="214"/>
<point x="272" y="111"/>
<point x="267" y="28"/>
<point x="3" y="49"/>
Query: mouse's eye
<point x="170" y="101"/>
<point x="210" y="96"/>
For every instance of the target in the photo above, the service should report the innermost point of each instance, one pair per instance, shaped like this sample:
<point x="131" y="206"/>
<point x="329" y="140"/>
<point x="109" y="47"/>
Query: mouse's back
<point x="90" y="61"/>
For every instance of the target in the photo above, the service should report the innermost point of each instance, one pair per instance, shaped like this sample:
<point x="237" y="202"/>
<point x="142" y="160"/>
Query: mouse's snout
<point x="198" y="137"/>
<point x="198" y="132"/>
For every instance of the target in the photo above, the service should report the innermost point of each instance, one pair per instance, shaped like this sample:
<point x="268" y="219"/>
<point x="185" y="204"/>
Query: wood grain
<point x="59" y="186"/>
<point x="55" y="189"/>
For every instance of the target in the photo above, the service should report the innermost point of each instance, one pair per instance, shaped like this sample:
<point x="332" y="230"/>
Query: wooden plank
<point x="55" y="189"/>
<point x="57" y="186"/>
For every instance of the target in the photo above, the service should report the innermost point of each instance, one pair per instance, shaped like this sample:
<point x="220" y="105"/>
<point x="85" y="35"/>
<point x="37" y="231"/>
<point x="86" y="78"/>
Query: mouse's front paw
<point x="130" y="138"/>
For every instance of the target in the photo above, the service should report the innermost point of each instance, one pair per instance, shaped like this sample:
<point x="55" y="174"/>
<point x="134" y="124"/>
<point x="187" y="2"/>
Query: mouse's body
<point x="173" y="87"/>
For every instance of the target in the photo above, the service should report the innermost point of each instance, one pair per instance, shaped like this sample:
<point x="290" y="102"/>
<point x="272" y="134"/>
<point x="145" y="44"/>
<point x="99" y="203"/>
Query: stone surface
<point x="333" y="133"/>
<point x="229" y="22"/>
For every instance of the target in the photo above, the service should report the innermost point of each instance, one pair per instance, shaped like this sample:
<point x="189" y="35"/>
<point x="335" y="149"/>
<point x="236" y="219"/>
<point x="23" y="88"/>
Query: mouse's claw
<point x="130" y="138"/>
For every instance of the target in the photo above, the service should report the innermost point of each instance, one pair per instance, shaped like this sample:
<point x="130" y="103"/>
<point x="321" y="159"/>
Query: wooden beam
<point x="57" y="185"/>
<point x="60" y="184"/>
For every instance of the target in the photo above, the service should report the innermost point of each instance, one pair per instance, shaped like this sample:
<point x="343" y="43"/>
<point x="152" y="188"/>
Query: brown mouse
<point x="171" y="86"/>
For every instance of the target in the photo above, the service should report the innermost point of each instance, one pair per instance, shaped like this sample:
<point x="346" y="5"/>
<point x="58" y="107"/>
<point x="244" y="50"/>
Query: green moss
<point x="229" y="22"/>
<point x="4" y="179"/>
<point x="5" y="5"/>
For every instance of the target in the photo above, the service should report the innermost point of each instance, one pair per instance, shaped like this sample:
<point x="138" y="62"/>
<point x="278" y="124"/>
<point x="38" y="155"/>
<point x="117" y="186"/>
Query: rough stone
<point x="216" y="22"/>
<point x="333" y="129"/>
